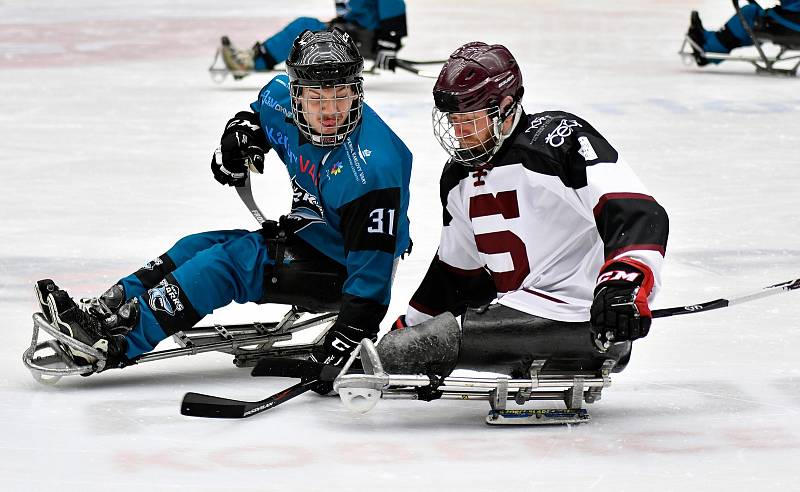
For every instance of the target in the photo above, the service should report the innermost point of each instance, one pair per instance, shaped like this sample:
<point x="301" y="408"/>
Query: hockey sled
<point x="219" y="72"/>
<point x="361" y="392"/>
<point x="784" y="61"/>
<point x="542" y="360"/>
<point x="49" y="360"/>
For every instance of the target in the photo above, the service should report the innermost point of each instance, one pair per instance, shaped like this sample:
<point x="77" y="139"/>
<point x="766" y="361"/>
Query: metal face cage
<point x="327" y="114"/>
<point x="464" y="135"/>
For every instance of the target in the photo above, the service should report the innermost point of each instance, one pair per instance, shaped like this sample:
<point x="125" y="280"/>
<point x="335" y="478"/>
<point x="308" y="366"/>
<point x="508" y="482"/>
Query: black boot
<point x="698" y="35"/>
<point x="106" y="335"/>
<point x="44" y="288"/>
<point x="105" y="305"/>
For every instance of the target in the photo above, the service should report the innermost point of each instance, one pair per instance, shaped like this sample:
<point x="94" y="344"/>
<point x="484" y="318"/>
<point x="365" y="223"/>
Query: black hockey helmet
<point x="320" y="60"/>
<point x="476" y="77"/>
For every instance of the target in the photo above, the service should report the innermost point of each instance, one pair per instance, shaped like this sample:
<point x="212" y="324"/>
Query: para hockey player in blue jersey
<point x="347" y="226"/>
<point x="551" y="248"/>
<point x="778" y="23"/>
<point x="377" y="26"/>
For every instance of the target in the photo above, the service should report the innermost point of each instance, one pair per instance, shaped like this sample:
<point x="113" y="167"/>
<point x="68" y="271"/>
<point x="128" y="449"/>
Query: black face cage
<point x="460" y="139"/>
<point x="304" y="116"/>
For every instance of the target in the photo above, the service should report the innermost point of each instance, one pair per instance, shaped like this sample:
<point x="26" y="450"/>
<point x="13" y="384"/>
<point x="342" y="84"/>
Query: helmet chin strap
<point x="497" y="127"/>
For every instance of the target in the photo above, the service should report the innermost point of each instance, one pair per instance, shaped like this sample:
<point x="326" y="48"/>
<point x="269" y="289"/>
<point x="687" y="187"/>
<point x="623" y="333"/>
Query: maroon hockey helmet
<point x="476" y="77"/>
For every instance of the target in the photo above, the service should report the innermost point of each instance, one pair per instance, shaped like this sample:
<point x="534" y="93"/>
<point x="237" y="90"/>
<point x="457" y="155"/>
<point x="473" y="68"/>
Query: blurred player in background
<point x="780" y="21"/>
<point x="377" y="27"/>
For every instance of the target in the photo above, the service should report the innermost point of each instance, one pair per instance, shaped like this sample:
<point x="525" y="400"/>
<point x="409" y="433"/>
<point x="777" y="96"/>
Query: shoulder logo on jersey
<point x="165" y="297"/>
<point x="336" y="168"/>
<point x="586" y="150"/>
<point x="538" y="124"/>
<point x="564" y="129"/>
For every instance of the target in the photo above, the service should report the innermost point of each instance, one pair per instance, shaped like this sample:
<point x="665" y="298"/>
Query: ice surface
<point x="108" y="119"/>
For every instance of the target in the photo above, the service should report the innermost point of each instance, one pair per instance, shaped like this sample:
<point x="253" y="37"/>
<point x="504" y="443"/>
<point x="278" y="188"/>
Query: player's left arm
<point x="369" y="225"/>
<point x="633" y="227"/>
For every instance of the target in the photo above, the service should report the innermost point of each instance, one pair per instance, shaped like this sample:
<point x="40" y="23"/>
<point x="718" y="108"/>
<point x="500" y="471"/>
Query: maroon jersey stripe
<point x="545" y="296"/>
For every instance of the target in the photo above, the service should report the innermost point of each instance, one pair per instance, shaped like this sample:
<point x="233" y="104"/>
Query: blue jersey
<point x="350" y="202"/>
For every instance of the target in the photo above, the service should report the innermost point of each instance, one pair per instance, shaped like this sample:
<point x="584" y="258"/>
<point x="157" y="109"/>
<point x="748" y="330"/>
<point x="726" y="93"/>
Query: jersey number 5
<point x="492" y="243"/>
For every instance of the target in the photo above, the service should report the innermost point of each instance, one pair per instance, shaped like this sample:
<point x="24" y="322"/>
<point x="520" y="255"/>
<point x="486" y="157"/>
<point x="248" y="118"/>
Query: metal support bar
<point x="246" y="342"/>
<point x="573" y="397"/>
<point x="499" y="395"/>
<point x="573" y="388"/>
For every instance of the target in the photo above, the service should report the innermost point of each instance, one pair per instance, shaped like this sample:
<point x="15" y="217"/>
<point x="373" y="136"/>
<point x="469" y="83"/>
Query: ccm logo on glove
<point x="618" y="275"/>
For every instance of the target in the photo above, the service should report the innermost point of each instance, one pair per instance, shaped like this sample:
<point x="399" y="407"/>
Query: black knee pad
<point x="430" y="347"/>
<point x="310" y="280"/>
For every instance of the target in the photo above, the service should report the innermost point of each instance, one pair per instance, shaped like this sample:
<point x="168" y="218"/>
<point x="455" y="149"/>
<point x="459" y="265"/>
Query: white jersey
<point x="553" y="205"/>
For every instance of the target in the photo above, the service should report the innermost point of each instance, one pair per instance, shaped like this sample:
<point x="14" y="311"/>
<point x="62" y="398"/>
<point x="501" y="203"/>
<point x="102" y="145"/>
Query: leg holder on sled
<point x="536" y="358"/>
<point x="764" y="31"/>
<point x="311" y="287"/>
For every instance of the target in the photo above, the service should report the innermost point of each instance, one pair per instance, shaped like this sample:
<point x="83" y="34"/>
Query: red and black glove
<point x="619" y="311"/>
<point x="399" y="323"/>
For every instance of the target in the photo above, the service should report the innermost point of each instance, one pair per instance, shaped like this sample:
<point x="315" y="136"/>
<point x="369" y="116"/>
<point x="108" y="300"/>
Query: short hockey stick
<point x="721" y="303"/>
<point x="199" y="405"/>
<point x="246" y="194"/>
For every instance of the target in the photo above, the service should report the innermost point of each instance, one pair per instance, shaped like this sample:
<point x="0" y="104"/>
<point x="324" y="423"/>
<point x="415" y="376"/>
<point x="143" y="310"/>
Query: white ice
<point x="107" y="123"/>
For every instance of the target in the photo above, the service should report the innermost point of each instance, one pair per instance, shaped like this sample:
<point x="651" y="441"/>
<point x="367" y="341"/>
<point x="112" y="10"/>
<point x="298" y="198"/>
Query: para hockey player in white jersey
<point x="541" y="215"/>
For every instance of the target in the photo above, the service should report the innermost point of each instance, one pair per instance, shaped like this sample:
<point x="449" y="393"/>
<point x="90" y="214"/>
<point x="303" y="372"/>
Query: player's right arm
<point x="456" y="278"/>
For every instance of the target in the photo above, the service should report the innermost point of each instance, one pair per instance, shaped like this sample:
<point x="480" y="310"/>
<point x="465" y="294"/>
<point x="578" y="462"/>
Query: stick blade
<point x="200" y="405"/>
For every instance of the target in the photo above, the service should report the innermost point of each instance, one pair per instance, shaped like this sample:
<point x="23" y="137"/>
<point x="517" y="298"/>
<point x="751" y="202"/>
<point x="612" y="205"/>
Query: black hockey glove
<point x="386" y="45"/>
<point x="242" y="148"/>
<point x="620" y="311"/>
<point x="339" y="343"/>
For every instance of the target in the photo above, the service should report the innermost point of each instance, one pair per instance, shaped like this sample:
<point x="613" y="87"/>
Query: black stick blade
<point x="199" y="405"/>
